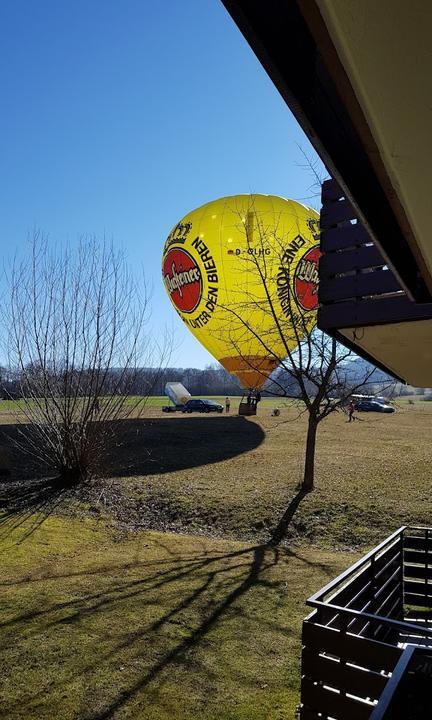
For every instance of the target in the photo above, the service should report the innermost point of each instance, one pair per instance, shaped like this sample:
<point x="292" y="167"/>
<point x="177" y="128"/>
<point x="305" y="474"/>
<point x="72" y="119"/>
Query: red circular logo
<point x="182" y="278"/>
<point x="306" y="279"/>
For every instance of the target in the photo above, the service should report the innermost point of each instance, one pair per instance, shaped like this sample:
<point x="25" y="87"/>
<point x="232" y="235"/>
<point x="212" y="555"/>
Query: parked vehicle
<point x="178" y="396"/>
<point x="203" y="406"/>
<point x="373" y="406"/>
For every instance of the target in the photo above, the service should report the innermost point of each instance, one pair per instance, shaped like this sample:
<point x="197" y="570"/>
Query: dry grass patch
<point x="236" y="476"/>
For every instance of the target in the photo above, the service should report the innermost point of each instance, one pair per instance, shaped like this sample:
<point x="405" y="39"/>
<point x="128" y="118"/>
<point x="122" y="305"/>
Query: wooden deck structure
<point x="363" y="626"/>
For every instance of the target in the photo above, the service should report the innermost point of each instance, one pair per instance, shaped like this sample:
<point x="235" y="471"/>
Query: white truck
<point x="178" y="395"/>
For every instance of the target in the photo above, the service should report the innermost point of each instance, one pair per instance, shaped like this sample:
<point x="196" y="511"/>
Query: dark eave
<point x="291" y="41"/>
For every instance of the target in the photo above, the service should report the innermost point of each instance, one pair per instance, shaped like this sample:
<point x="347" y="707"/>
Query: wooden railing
<point x="360" y="625"/>
<point x="357" y="287"/>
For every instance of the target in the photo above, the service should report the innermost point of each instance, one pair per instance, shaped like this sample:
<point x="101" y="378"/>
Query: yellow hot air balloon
<point x="242" y="273"/>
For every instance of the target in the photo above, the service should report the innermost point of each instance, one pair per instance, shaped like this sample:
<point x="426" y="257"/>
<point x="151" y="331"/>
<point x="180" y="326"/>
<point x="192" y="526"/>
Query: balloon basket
<point x="246" y="408"/>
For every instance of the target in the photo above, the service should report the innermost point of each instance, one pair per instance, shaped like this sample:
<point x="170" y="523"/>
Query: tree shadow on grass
<point x="28" y="492"/>
<point x="280" y="531"/>
<point x="28" y="502"/>
<point x="180" y="599"/>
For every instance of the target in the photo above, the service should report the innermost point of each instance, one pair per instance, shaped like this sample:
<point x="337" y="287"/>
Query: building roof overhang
<point x="357" y="76"/>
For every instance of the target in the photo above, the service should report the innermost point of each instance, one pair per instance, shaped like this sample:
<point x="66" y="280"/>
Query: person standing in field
<point x="227" y="404"/>
<point x="351" y="408"/>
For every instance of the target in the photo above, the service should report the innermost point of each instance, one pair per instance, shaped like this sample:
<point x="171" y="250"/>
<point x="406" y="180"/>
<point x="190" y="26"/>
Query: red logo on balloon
<point x="306" y="279"/>
<point x="182" y="278"/>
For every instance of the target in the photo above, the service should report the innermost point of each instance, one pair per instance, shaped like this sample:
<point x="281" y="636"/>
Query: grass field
<point x="152" y="625"/>
<point x="10" y="408"/>
<point x="235" y="477"/>
<point x="157" y="597"/>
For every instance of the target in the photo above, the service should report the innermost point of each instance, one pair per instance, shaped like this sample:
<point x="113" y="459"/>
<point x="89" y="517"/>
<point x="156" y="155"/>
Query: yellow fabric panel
<point x="239" y="271"/>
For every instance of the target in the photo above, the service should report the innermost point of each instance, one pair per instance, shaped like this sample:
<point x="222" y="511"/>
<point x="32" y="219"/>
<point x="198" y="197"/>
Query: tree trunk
<point x="309" y="467"/>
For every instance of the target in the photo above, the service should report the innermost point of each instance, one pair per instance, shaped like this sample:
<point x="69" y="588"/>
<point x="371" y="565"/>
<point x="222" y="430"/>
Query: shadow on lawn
<point x="280" y="531"/>
<point x="153" y="446"/>
<point x="163" y="610"/>
<point x="28" y="502"/>
<point x="174" y="591"/>
<point x="137" y="447"/>
<point x="162" y="445"/>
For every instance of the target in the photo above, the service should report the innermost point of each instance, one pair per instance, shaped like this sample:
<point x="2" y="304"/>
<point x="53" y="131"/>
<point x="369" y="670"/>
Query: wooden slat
<point x="390" y="552"/>
<point x="330" y="703"/>
<point x="416" y="639"/>
<point x="388" y="635"/>
<point x="417" y="586"/>
<point x="391" y="577"/>
<point x="391" y="605"/>
<point x="328" y="617"/>
<point x="417" y="543"/>
<point x="358" y="584"/>
<point x="359" y="590"/>
<point x="417" y="556"/>
<point x="344" y="237"/>
<point x="307" y="714"/>
<point x="362" y="600"/>
<point x="361" y="627"/>
<point x="388" y="567"/>
<point x="355" y="681"/>
<point x="417" y="571"/>
<point x="373" y="283"/>
<point x="336" y="212"/>
<point x="371" y="602"/>
<point x="390" y="608"/>
<point x="366" y="256"/>
<point x="361" y="651"/>
<point x="330" y="191"/>
<point x="418" y="616"/>
<point x="352" y="313"/>
<point x="420" y="600"/>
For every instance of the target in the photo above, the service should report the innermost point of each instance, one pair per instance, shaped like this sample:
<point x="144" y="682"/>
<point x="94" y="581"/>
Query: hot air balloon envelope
<point x="239" y="271"/>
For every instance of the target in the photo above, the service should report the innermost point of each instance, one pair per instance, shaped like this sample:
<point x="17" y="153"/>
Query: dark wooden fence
<point x="354" y="638"/>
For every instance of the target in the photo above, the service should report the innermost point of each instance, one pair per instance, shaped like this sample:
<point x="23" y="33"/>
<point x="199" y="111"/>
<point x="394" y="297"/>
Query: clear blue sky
<point x="120" y="117"/>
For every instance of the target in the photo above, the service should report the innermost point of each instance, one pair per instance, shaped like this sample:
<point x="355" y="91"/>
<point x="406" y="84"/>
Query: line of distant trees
<point x="212" y="380"/>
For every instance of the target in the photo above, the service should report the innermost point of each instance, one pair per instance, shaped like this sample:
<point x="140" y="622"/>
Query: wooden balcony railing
<point x="357" y="287"/>
<point x="361" y="623"/>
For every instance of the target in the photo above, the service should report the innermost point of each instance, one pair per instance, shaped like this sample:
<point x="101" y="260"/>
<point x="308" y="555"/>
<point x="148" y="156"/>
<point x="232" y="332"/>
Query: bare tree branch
<point x="311" y="365"/>
<point x="77" y="338"/>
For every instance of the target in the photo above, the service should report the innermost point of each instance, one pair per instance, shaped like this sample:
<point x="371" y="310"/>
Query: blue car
<point x="373" y="406"/>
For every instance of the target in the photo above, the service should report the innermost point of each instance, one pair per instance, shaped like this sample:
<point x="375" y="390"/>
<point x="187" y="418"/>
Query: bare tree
<point x="313" y="369"/>
<point x="75" y="326"/>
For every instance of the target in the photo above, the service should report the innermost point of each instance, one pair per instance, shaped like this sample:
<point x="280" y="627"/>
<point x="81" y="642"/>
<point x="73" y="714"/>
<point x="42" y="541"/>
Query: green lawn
<point x="8" y="407"/>
<point x="104" y="615"/>
<point x="151" y="626"/>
